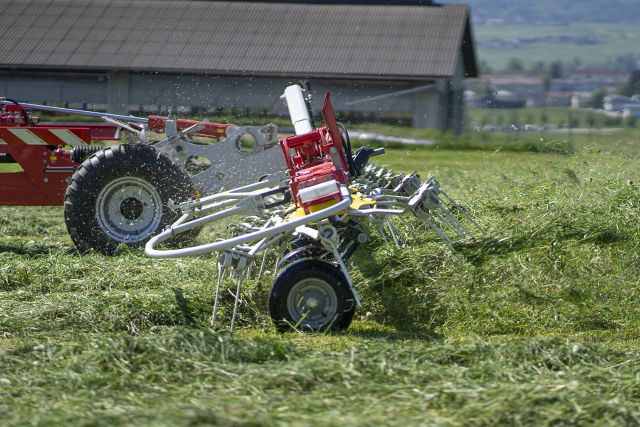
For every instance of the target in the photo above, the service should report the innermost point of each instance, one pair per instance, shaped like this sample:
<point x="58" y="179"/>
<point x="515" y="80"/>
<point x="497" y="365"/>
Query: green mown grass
<point x="534" y="323"/>
<point x="584" y="118"/>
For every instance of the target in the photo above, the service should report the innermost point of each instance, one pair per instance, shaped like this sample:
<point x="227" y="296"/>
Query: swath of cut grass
<point x="185" y="377"/>
<point x="533" y="323"/>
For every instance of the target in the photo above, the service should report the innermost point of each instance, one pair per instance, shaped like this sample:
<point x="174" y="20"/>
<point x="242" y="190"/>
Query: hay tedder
<point x="311" y="216"/>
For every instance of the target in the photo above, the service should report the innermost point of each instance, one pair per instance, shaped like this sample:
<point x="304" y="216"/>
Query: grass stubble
<point x="534" y="323"/>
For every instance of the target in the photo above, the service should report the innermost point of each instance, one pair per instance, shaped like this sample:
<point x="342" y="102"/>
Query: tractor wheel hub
<point x="131" y="208"/>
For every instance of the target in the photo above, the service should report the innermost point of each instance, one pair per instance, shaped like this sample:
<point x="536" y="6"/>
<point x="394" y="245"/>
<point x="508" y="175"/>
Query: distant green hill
<point x="553" y="11"/>
<point x="586" y="32"/>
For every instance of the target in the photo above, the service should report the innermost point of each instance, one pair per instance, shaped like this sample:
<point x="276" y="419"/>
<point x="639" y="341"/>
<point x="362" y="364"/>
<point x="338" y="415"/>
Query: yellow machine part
<point x="357" y="201"/>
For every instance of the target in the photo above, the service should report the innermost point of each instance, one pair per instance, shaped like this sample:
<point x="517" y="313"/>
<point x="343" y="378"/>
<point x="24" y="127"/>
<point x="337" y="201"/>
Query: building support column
<point x="458" y="118"/>
<point x="456" y="98"/>
<point x="118" y="92"/>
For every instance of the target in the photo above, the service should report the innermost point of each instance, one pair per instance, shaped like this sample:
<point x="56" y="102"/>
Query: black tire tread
<point x="305" y="268"/>
<point x="106" y="165"/>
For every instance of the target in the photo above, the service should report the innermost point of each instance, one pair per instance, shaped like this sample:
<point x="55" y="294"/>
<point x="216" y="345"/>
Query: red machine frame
<point x="41" y="151"/>
<point x="38" y="149"/>
<point x="315" y="158"/>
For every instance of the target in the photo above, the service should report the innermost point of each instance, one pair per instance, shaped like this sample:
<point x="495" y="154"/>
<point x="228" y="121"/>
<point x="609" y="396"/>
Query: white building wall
<point x="172" y="91"/>
<point x="54" y="87"/>
<point x="123" y="91"/>
<point x="427" y="109"/>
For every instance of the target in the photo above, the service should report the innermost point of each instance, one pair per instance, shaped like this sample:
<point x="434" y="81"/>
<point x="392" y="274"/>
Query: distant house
<point x="581" y="99"/>
<point x="559" y="98"/>
<point x="588" y="80"/>
<point x="499" y="99"/>
<point x="622" y="105"/>
<point x="379" y="57"/>
<point x="616" y="103"/>
<point x="631" y="110"/>
<point x="525" y="88"/>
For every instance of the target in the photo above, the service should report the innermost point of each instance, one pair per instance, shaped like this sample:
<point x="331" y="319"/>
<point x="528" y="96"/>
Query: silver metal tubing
<point x="150" y="248"/>
<point x="213" y="206"/>
<point x="186" y="226"/>
<point x="226" y="199"/>
<point x="376" y="211"/>
<point x="244" y="191"/>
<point x="390" y="197"/>
<point x="79" y="112"/>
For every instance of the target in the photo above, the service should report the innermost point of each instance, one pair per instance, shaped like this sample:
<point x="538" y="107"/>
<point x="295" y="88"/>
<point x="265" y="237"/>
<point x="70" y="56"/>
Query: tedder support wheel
<point x="311" y="295"/>
<point x="120" y="195"/>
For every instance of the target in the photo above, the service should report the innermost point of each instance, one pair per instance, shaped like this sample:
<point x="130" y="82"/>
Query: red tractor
<point x="124" y="193"/>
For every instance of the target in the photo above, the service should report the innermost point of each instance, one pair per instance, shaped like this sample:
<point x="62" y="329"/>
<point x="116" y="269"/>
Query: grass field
<point x="535" y="323"/>
<point x="546" y="115"/>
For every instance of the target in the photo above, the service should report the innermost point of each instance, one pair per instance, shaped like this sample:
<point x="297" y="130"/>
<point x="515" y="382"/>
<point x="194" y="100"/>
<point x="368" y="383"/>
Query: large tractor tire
<point x="120" y="196"/>
<point x="312" y="295"/>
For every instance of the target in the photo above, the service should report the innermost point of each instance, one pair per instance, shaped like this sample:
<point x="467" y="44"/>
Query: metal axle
<point x="79" y="112"/>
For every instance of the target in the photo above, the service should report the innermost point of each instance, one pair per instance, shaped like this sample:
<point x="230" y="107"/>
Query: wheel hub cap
<point x="131" y="208"/>
<point x="313" y="303"/>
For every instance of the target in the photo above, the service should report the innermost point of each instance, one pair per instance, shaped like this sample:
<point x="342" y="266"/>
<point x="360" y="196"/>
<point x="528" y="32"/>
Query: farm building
<point x="406" y="58"/>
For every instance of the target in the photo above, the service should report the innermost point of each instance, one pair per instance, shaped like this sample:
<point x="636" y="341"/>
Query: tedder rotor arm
<point x="247" y="204"/>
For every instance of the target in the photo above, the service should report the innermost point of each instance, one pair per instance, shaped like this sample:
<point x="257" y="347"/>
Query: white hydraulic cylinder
<point x="297" y="106"/>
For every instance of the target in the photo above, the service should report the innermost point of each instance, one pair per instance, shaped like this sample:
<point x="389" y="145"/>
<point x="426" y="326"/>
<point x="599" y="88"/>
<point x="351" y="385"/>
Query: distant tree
<point x="597" y="97"/>
<point x="577" y="62"/>
<point x="573" y="120"/>
<point x="483" y="88"/>
<point x="544" y="119"/>
<point x="515" y="64"/>
<point x="529" y="119"/>
<point x="484" y="67"/>
<point x="556" y="70"/>
<point x="626" y="62"/>
<point x="632" y="87"/>
<point x="515" y="118"/>
<point x="612" y="121"/>
<point x="538" y="67"/>
<point x="631" y="121"/>
<point x="591" y="119"/>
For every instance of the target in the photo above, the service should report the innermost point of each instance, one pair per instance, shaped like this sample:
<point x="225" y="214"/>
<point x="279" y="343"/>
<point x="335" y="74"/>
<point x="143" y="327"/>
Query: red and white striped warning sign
<point x="45" y="136"/>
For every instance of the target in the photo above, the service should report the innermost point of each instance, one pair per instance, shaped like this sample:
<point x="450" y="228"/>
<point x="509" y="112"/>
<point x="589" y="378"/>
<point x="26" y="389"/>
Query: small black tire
<point x="303" y="248"/>
<point x="311" y="295"/>
<point x="120" y="195"/>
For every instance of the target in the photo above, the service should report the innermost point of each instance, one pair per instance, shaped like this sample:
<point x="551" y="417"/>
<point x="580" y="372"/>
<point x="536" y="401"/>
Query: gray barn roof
<point x="237" y="38"/>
